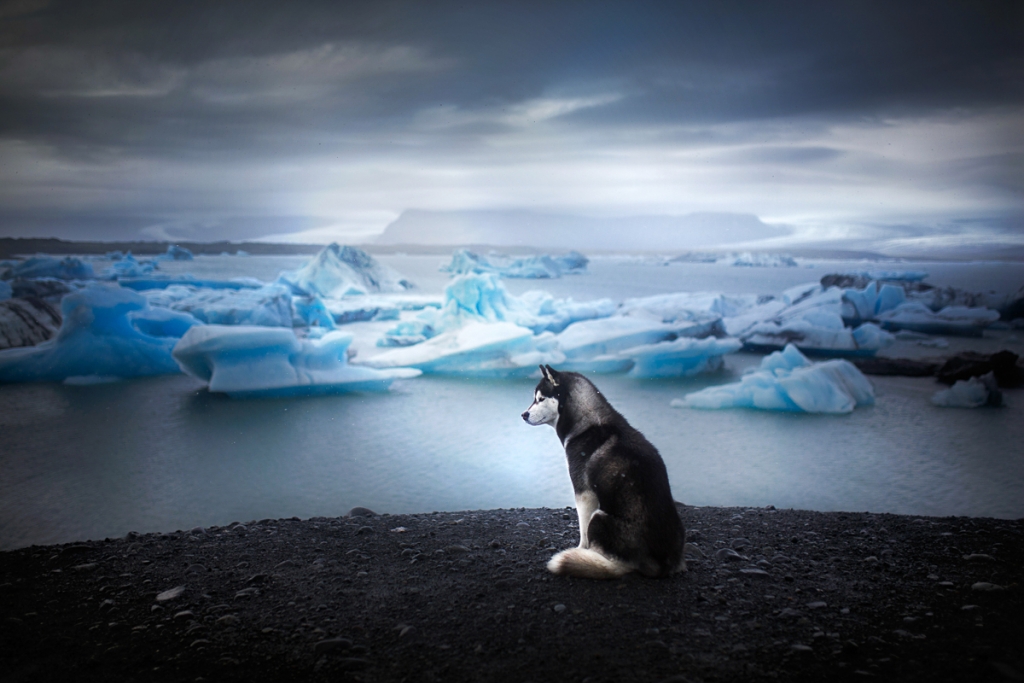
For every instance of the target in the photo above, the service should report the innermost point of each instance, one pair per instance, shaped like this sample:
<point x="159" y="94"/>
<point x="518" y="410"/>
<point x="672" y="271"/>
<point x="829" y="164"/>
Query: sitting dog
<point x="628" y="519"/>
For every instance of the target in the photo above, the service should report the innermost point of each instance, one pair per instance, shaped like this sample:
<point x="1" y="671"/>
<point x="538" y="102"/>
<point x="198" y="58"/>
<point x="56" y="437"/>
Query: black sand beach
<point x="466" y="597"/>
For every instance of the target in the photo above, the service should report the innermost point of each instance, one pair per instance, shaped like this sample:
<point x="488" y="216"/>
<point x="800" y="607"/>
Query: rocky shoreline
<point x="770" y="595"/>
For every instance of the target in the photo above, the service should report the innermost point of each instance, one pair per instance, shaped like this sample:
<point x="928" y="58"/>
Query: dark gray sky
<point x="888" y="123"/>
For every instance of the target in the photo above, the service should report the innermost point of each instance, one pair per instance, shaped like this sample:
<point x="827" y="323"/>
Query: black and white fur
<point x="628" y="519"/>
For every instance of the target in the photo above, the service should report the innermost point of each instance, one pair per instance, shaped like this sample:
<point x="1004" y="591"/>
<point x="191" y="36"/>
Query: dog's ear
<point x="550" y="374"/>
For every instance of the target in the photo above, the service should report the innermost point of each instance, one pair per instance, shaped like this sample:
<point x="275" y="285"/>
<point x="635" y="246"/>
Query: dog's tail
<point x="587" y="564"/>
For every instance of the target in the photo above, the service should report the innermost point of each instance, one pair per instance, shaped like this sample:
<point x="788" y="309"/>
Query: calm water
<point x="163" y="454"/>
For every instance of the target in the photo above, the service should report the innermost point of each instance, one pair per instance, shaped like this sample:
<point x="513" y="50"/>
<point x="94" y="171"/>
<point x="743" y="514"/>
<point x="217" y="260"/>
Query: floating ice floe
<point x="749" y="259"/>
<point x="974" y="392"/>
<point x="98" y="337"/>
<point x="545" y="266"/>
<point x="952" y="320"/>
<point x="67" y="268"/>
<point x="270" y="305"/>
<point x="339" y="271"/>
<point x="187" y="280"/>
<point x="129" y="267"/>
<point x="244" y="361"/>
<point x="481" y="297"/>
<point x="787" y="381"/>
<point x="476" y="349"/>
<point x="683" y="357"/>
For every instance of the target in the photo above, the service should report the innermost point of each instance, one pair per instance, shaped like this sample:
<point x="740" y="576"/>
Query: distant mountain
<point x="559" y="231"/>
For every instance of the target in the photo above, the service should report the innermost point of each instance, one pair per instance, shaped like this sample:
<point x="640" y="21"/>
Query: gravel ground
<point x="773" y="595"/>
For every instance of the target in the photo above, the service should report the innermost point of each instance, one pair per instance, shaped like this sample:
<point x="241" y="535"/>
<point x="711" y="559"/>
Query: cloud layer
<point x="864" y="123"/>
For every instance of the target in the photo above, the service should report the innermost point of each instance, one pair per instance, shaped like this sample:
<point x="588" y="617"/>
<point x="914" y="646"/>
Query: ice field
<point x="117" y="438"/>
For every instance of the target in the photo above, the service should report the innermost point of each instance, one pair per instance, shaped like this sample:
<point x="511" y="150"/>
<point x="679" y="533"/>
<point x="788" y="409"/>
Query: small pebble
<point x="170" y="594"/>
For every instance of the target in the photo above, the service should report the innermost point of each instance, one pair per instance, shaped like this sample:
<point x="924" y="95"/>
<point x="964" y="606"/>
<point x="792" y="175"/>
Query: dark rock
<point x="361" y="512"/>
<point x="963" y="366"/>
<point x="904" y="367"/>
<point x="332" y="645"/>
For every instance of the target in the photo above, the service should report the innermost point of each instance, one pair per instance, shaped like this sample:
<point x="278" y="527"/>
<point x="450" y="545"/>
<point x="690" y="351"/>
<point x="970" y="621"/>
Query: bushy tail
<point x="587" y="564"/>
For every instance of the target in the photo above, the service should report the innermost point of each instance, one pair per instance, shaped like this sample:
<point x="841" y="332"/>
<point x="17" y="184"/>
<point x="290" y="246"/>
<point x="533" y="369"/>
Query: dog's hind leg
<point x="586" y="506"/>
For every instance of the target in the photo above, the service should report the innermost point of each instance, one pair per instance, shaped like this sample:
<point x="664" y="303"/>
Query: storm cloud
<point x="864" y="123"/>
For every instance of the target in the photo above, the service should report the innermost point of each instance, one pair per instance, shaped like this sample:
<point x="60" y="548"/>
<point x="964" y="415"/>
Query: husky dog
<point x="628" y="519"/>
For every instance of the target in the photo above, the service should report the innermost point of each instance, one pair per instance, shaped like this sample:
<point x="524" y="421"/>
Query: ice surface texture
<point x="269" y="306"/>
<point x="545" y="266"/>
<point x="67" y="268"/>
<point x="103" y="333"/>
<point x="244" y="361"/>
<point x="952" y="320"/>
<point x="787" y="381"/>
<point x="339" y="271"/>
<point x="5" y="291"/>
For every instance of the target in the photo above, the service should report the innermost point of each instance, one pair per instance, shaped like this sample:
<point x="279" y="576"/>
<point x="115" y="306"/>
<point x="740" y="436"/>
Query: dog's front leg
<point x="586" y="505"/>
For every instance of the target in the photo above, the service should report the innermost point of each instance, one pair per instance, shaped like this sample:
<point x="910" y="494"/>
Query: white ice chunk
<point x="689" y="305"/>
<point x="758" y="260"/>
<point x="969" y="393"/>
<point x="96" y="337"/>
<point x="590" y="338"/>
<point x="498" y="349"/>
<point x="953" y="320"/>
<point x="544" y="266"/>
<point x="787" y="381"/>
<point x="682" y="357"/>
<point x="343" y="271"/>
<point x="244" y="361"/>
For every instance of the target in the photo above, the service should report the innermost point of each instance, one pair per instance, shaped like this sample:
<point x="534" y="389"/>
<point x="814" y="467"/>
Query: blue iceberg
<point x="244" y="362"/>
<point x="269" y="306"/>
<point x="176" y="253"/>
<point x="481" y="297"/>
<point x="959" y="321"/>
<point x="787" y="381"/>
<point x="5" y="291"/>
<point x="868" y="303"/>
<point x="683" y="357"/>
<point x="67" y="268"/>
<point x="129" y="267"/>
<point x="311" y="312"/>
<point x="97" y="338"/>
<point x="542" y="267"/>
<point x="339" y="271"/>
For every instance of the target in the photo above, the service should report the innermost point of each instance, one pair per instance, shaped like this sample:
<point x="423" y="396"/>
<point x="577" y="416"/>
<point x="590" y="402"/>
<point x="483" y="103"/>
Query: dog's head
<point x="544" y="410"/>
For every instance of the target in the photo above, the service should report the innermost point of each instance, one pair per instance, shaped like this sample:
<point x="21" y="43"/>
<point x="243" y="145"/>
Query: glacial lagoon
<point x="162" y="453"/>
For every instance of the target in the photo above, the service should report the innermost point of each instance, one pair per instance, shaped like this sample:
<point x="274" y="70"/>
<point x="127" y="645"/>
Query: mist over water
<point x="162" y="453"/>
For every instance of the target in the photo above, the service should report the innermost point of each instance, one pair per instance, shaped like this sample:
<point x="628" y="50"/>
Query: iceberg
<point x="339" y="271"/>
<point x="481" y="297"/>
<point x="5" y="291"/>
<point x="952" y="320"/>
<point x="868" y="303"/>
<point x="129" y="267"/>
<point x="244" y="362"/>
<point x="97" y="338"/>
<point x="67" y="268"/>
<point x="144" y="284"/>
<point x="787" y="381"/>
<point x="683" y="357"/>
<point x="378" y="306"/>
<point x="176" y="253"/>
<point x="311" y="312"/>
<point x="477" y="349"/>
<point x="748" y="259"/>
<point x="269" y="306"/>
<point x="545" y="266"/>
<point x="819" y="333"/>
<point x="973" y="392"/>
<point x="162" y="322"/>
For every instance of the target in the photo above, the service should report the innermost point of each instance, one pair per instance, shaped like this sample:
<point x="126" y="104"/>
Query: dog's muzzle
<point x="526" y="416"/>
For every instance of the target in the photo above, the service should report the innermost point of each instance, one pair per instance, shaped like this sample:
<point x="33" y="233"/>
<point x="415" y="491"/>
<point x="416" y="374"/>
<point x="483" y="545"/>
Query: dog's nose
<point x="526" y="416"/>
